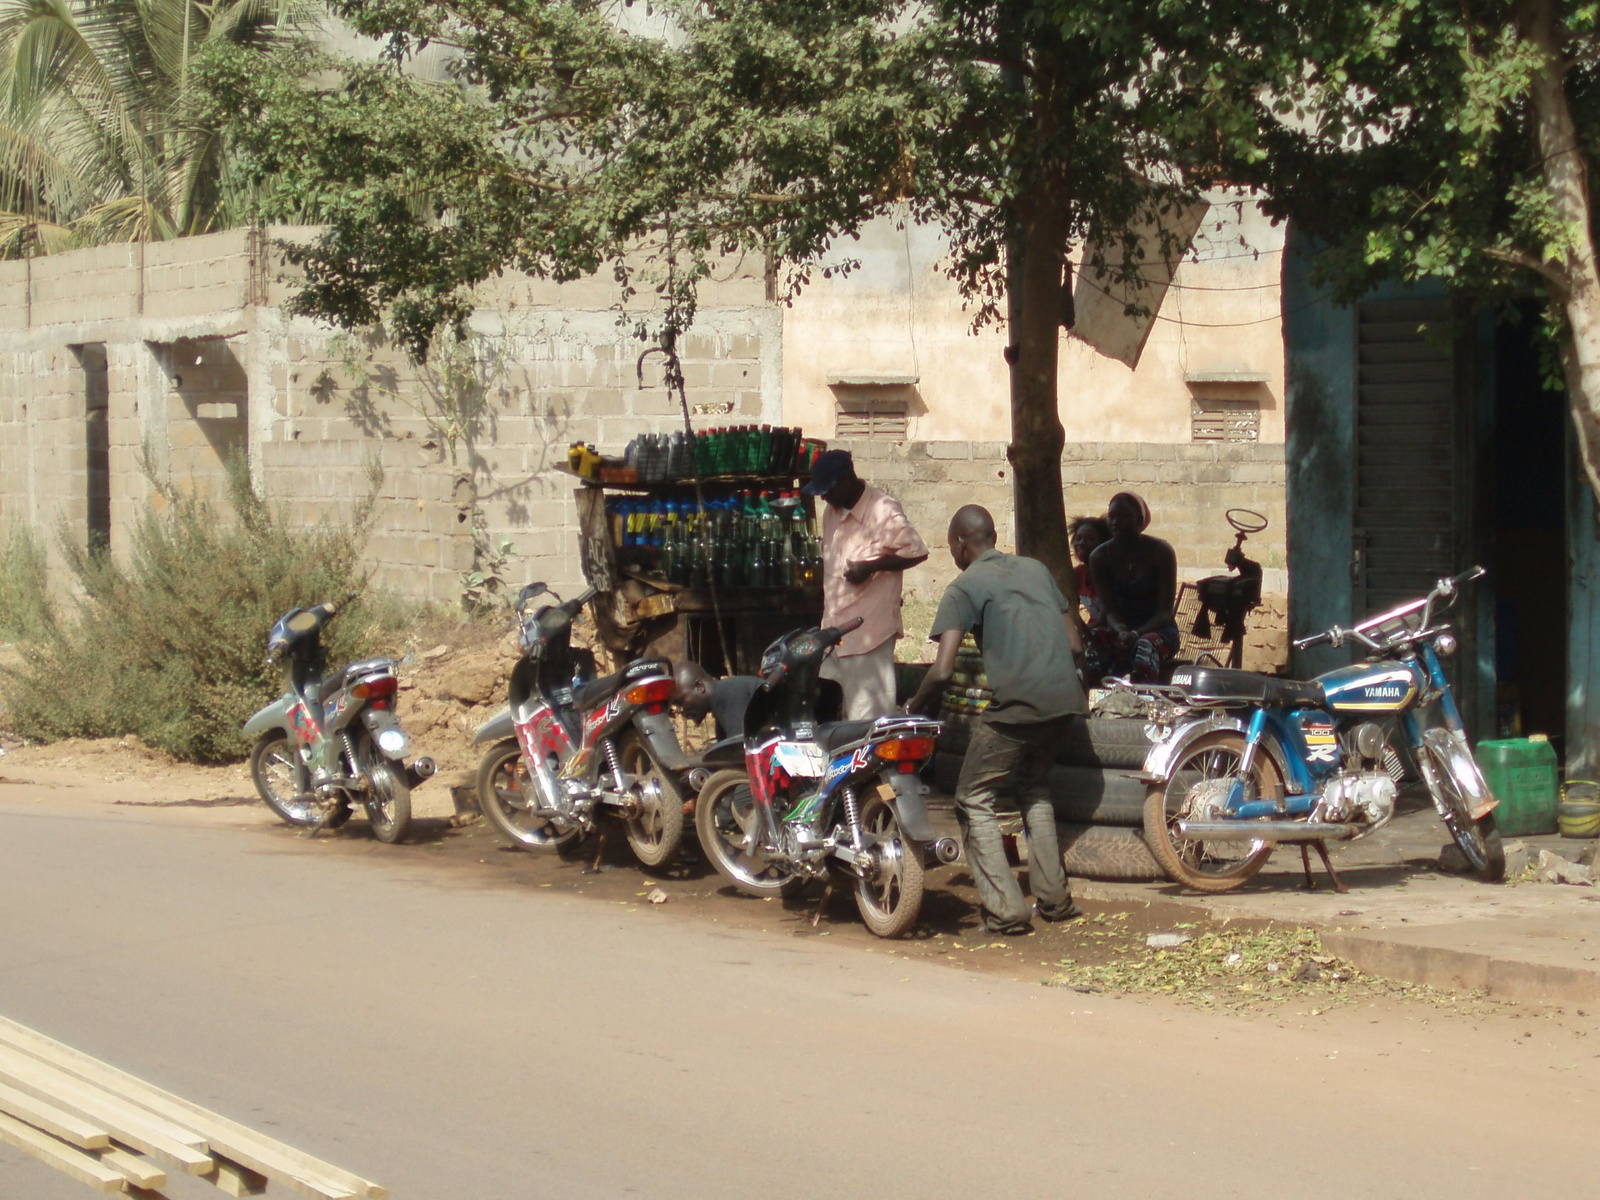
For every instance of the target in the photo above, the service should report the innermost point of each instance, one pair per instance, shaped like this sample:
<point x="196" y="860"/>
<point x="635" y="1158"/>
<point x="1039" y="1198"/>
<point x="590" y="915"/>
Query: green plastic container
<point x="1522" y="774"/>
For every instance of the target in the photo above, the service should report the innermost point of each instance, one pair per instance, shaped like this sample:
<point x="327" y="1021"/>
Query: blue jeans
<point x="996" y="753"/>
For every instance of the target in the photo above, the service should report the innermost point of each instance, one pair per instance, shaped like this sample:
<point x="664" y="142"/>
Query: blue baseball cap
<point x="832" y="468"/>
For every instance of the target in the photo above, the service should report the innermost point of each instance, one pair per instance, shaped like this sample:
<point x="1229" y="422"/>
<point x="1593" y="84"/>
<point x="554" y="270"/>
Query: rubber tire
<point x="1080" y="795"/>
<point x="302" y="820"/>
<point x="1158" y="837"/>
<point x="1494" y="851"/>
<point x="902" y="918"/>
<point x="568" y="845"/>
<point x="389" y="826"/>
<point x="1106" y="852"/>
<point x="653" y="853"/>
<point x="1113" y="743"/>
<point x="715" y="847"/>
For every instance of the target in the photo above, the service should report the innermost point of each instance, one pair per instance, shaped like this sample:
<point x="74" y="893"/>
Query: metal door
<point x="1408" y="531"/>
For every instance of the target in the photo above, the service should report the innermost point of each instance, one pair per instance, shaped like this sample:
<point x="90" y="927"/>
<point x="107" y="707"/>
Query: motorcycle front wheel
<point x="724" y="815"/>
<point x="889" y="894"/>
<point x="1458" y="787"/>
<point x="284" y="783"/>
<point x="1211" y="762"/>
<point x="657" y="831"/>
<point x="504" y="788"/>
<point x="389" y="801"/>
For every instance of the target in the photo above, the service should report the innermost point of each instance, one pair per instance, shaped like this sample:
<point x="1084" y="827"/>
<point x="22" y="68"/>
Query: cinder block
<point x="949" y="450"/>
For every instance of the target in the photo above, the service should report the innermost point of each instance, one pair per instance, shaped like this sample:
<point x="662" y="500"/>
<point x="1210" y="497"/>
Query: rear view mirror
<point x="530" y="592"/>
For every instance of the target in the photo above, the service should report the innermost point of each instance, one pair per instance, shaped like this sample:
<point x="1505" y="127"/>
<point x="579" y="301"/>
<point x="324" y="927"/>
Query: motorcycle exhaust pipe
<point x="945" y="850"/>
<point x="1265" y="831"/>
<point x="424" y="768"/>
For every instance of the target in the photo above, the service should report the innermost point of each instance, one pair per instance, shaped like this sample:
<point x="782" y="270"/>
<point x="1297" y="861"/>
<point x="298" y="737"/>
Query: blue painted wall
<point x="1319" y="415"/>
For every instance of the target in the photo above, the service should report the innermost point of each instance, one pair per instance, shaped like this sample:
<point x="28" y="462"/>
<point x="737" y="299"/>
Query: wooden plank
<point x="234" y="1180"/>
<point x="57" y="1122"/>
<point x="137" y="1170"/>
<point x="69" y="1160"/>
<point x="127" y="1123"/>
<point x="278" y="1161"/>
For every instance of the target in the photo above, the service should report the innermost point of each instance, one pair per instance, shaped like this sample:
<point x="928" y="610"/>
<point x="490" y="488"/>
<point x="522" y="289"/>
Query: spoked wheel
<point x="726" y="820"/>
<point x="657" y="832"/>
<point x="1459" y="789"/>
<point x="889" y="894"/>
<point x="284" y="782"/>
<point x="389" y="801"/>
<point x="1201" y="779"/>
<point x="506" y="793"/>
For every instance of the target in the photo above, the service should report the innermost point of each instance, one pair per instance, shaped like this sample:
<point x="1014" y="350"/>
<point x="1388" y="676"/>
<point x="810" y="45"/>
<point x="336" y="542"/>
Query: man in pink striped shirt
<point x="866" y="543"/>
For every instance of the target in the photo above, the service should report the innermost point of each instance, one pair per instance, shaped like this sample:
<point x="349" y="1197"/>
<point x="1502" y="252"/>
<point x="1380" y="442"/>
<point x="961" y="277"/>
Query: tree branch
<point x="1552" y="275"/>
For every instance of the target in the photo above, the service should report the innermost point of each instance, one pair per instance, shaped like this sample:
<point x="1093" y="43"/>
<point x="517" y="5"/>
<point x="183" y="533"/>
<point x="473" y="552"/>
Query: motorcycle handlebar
<point x="836" y="634"/>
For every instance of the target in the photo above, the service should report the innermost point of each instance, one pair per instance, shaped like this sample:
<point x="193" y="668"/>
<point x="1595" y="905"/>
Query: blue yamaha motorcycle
<point x="1245" y="761"/>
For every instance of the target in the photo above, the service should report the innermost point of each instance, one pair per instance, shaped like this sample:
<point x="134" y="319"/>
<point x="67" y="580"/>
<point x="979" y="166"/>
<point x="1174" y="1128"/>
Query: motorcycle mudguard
<point x="908" y="797"/>
<point x="377" y="720"/>
<point x="273" y="716"/>
<point x="497" y="728"/>
<point x="661" y="737"/>
<point x="1159" y="761"/>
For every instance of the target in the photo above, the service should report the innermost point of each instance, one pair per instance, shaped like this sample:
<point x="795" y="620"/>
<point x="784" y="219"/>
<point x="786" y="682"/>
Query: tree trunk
<point x="1566" y="173"/>
<point x="1037" y="439"/>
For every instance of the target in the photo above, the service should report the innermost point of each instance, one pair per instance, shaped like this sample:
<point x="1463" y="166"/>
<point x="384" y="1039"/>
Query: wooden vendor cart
<point x="668" y="562"/>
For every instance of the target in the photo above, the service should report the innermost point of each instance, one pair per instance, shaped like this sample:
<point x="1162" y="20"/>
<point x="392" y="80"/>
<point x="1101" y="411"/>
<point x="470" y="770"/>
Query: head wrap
<point x="1138" y="503"/>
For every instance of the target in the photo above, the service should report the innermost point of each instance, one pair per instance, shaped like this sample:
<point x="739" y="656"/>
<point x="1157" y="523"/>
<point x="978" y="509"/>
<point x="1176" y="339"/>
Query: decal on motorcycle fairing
<point x="542" y="734"/>
<point x="846" y="763"/>
<point x="305" y="729"/>
<point x="1322" y="745"/>
<point x="800" y="758"/>
<point x="599" y="719"/>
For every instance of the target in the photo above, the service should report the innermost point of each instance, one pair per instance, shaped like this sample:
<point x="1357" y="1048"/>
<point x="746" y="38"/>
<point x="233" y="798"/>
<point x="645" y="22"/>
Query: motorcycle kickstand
<point x="1327" y="863"/>
<point x="822" y="905"/>
<point x="600" y="849"/>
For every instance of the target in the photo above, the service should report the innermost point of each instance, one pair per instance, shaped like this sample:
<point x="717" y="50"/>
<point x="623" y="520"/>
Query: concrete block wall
<point x="44" y="468"/>
<point x="557" y="376"/>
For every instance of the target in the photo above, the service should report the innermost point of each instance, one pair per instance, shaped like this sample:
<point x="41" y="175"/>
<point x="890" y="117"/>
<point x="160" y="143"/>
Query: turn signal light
<point x="905" y="749"/>
<point x="657" y="691"/>
<point x="378" y="685"/>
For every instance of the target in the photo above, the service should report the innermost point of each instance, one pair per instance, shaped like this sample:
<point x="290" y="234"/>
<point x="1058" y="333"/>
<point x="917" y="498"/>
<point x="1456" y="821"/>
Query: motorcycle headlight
<point x="392" y="742"/>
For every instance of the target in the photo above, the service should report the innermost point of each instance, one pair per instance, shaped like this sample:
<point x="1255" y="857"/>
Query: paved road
<point x="461" y="1041"/>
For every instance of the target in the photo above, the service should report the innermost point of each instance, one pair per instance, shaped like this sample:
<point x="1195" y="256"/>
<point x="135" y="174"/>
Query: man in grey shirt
<point x="1024" y="627"/>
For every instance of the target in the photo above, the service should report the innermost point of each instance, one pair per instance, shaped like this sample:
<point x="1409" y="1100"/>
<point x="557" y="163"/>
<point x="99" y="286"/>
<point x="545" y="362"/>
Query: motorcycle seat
<point x="1224" y="683"/>
<point x="842" y="733"/>
<point x="597" y="691"/>
<point x="729" y="752"/>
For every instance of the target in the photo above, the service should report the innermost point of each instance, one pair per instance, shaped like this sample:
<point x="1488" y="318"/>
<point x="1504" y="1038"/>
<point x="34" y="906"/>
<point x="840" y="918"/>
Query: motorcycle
<point x="846" y="794"/>
<point x="1245" y="761"/>
<point x="571" y="748"/>
<point x="314" y="760"/>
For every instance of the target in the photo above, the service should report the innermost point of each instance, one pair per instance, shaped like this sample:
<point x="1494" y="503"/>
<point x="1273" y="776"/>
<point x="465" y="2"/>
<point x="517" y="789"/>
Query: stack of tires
<point x="1099" y="807"/>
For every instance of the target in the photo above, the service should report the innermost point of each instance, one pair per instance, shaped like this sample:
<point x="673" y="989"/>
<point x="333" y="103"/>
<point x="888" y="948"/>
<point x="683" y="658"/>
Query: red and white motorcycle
<point x="571" y="748"/>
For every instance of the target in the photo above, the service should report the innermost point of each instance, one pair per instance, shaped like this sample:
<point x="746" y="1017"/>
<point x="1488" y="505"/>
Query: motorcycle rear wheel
<point x="503" y="787"/>
<point x="1457" y="784"/>
<point x="284" y="783"/>
<point x="891" y="900"/>
<point x="1206" y="867"/>
<point x="389" y="802"/>
<point x="722" y="817"/>
<point x="657" y="832"/>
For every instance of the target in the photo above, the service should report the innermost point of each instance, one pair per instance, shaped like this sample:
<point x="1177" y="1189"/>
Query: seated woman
<point x="1135" y="577"/>
<point x="1085" y="534"/>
